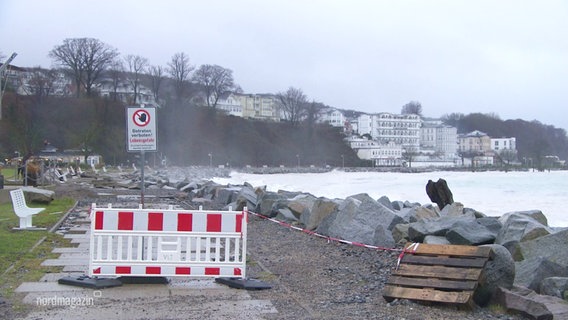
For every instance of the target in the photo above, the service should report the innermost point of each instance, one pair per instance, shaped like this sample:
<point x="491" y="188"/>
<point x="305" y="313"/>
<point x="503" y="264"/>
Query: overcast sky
<point x="504" y="57"/>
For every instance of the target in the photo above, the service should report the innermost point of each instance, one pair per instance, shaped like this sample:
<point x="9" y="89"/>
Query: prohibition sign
<point x="141" y="117"/>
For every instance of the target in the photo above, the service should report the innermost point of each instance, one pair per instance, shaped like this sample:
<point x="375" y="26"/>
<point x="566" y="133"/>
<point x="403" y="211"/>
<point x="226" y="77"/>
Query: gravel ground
<point x="314" y="279"/>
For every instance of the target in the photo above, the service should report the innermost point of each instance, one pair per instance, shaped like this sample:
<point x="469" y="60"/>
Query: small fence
<point x="150" y="242"/>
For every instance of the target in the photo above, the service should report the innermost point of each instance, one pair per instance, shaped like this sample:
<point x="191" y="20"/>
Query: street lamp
<point x="210" y="159"/>
<point x="298" y="156"/>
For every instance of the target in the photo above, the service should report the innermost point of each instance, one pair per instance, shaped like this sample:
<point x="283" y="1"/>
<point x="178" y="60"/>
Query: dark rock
<point x="452" y="210"/>
<point x="301" y="204"/>
<point x="531" y="304"/>
<point x="519" y="227"/>
<point x="358" y="218"/>
<point x="247" y="197"/>
<point x="383" y="237"/>
<point x="397" y="205"/>
<point x="227" y="195"/>
<point x="491" y="223"/>
<point x="554" y="286"/>
<point x="36" y="195"/>
<point x="321" y="209"/>
<point x="385" y="201"/>
<point x="532" y="271"/>
<point x="400" y="233"/>
<point x="469" y="232"/>
<point x="265" y="202"/>
<point x="551" y="247"/>
<point x="439" y="193"/>
<point x="285" y="214"/>
<point x="435" y="227"/>
<point x="499" y="271"/>
<point x="436" y="240"/>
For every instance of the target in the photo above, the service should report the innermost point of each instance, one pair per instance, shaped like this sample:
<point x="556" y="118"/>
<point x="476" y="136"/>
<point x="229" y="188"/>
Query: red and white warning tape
<point x="410" y="249"/>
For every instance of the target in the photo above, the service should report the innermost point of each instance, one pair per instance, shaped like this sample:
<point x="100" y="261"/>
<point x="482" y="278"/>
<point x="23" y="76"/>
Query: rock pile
<point x="531" y="258"/>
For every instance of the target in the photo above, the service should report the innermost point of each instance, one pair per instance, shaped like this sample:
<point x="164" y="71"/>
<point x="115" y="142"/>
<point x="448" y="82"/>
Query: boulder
<point x="554" y="286"/>
<point x="532" y="271"/>
<point x="37" y="195"/>
<point x="499" y="271"/>
<point x="301" y="204"/>
<point x="321" y="209"/>
<point x="469" y="232"/>
<point x="435" y="227"/>
<point x="476" y="213"/>
<point x="491" y="223"/>
<point x="408" y="204"/>
<point x="535" y="214"/>
<point x="385" y="201"/>
<point x="420" y="213"/>
<point x="383" y="237"/>
<point x="105" y="183"/>
<point x="435" y="240"/>
<point x="397" y="205"/>
<point x="247" y="197"/>
<point x="519" y="227"/>
<point x="543" y="258"/>
<point x="327" y="222"/>
<point x="358" y="218"/>
<point x="439" y="193"/>
<point x="227" y="195"/>
<point x="265" y="202"/>
<point x="452" y="210"/>
<point x="378" y="214"/>
<point x="400" y="233"/>
<point x="531" y="304"/>
<point x="552" y="247"/>
<point x="285" y="214"/>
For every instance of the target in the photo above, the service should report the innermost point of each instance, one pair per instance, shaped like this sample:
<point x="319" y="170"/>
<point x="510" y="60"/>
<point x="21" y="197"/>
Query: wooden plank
<point x="444" y="261"/>
<point x="426" y="295"/>
<point x="440" y="272"/>
<point x="452" y="250"/>
<point x="432" y="283"/>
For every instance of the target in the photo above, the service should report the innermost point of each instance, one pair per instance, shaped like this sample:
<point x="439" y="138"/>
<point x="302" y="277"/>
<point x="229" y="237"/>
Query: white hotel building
<point x="401" y="129"/>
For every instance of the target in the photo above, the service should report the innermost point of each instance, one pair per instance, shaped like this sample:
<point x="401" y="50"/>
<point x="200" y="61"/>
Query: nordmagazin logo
<point x="57" y="301"/>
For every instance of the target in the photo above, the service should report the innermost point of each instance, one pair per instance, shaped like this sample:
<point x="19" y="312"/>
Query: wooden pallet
<point x="438" y="273"/>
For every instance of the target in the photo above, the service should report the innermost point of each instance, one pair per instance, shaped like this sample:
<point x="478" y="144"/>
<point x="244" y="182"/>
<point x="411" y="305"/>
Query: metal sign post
<point x="141" y="136"/>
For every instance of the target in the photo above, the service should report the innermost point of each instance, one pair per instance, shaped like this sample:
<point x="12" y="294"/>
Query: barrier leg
<point x="240" y="283"/>
<point x="88" y="282"/>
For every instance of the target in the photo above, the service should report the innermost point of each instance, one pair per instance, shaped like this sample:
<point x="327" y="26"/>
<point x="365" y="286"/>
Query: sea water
<point x="492" y="193"/>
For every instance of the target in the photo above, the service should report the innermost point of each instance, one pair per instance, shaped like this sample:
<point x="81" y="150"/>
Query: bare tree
<point x="115" y="72"/>
<point x="409" y="154"/>
<point x="156" y="74"/>
<point x="293" y="104"/>
<point x="180" y="69"/>
<point x="40" y="83"/>
<point x="86" y="58"/>
<point x="313" y="112"/>
<point x="136" y="66"/>
<point x="215" y="80"/>
<point x="413" y="107"/>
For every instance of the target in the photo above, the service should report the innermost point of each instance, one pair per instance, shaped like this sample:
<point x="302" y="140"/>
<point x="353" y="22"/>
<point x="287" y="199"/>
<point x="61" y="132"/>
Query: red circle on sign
<point x="141" y="117"/>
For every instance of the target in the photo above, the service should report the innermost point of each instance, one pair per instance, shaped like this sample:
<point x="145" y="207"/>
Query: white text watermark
<point x="72" y="302"/>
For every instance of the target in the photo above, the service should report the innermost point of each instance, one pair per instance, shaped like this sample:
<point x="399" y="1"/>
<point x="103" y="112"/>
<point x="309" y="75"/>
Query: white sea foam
<point x="493" y="193"/>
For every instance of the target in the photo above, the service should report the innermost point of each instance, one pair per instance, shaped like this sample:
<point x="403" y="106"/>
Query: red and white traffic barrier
<point x="150" y="242"/>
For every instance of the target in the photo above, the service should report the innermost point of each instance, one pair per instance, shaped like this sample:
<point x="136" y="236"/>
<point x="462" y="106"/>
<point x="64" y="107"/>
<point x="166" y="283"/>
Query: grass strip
<point x="22" y="252"/>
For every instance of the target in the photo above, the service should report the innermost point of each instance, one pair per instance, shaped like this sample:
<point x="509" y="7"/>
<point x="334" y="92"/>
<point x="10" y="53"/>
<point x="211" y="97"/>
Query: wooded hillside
<point x="186" y="135"/>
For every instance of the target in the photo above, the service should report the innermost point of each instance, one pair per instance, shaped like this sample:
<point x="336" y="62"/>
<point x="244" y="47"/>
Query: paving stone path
<point x="181" y="298"/>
